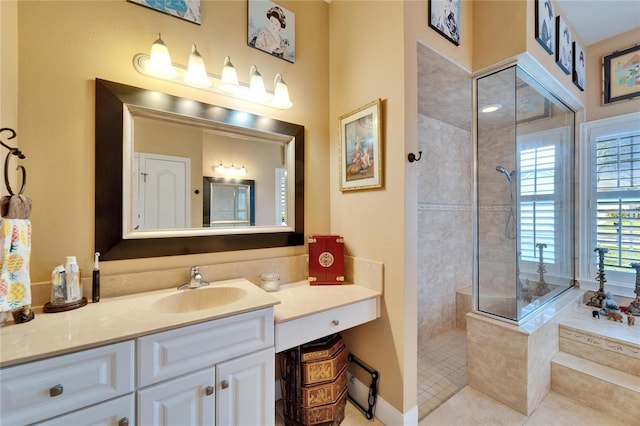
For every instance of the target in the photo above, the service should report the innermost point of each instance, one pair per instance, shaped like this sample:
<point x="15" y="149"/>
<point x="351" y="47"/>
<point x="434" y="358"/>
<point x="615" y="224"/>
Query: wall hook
<point x="412" y="157"/>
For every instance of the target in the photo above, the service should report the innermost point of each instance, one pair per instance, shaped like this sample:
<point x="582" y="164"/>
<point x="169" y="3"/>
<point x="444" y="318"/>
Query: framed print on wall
<point x="444" y="17"/>
<point x="361" y="148"/>
<point x="563" y="45"/>
<point x="621" y="75"/>
<point x="578" y="66"/>
<point x="189" y="10"/>
<point x="545" y="25"/>
<point x="272" y="29"/>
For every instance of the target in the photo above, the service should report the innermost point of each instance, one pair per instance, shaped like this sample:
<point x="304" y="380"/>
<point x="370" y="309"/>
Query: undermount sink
<point x="198" y="299"/>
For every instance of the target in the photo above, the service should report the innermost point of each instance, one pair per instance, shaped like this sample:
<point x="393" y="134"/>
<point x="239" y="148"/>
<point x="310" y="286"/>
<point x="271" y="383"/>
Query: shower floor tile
<point x="442" y="369"/>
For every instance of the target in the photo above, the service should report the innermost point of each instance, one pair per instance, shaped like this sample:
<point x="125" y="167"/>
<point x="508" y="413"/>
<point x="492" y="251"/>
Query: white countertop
<point x="121" y="318"/>
<point x="113" y="320"/>
<point x="300" y="299"/>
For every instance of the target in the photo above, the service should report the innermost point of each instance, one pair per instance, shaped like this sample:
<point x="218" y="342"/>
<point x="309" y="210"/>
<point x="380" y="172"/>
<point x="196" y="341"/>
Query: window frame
<point x="619" y="283"/>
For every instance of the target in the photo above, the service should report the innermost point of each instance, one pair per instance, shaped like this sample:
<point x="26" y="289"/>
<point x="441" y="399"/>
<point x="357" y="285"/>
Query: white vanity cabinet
<point x="40" y="390"/>
<point x="218" y="372"/>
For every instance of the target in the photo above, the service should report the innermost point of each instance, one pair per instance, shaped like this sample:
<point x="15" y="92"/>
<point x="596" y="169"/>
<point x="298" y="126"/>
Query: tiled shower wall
<point x="445" y="187"/>
<point x="445" y="252"/>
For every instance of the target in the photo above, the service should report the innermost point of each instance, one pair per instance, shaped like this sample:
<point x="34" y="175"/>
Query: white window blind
<point x="617" y="173"/>
<point x="537" y="203"/>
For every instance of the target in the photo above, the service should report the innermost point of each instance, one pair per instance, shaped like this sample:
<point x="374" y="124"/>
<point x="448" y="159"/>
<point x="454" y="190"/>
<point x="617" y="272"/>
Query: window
<point x="544" y="213"/>
<point x="537" y="206"/>
<point x="611" y="198"/>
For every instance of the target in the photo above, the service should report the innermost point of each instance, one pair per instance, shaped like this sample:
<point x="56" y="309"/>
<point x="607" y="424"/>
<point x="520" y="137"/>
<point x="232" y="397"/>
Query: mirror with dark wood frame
<point x="116" y="238"/>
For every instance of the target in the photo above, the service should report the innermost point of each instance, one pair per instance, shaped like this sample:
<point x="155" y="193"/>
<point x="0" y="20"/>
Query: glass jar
<point x="270" y="281"/>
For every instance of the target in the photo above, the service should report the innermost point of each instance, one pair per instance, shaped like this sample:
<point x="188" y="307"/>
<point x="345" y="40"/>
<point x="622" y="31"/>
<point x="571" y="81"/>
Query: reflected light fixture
<point x="231" y="170"/>
<point x="491" y="108"/>
<point x="158" y="65"/>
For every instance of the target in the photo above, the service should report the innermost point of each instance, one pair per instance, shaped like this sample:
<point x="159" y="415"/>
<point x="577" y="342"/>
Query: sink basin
<point x="197" y="300"/>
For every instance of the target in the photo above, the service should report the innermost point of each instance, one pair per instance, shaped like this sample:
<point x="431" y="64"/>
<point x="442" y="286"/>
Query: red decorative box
<point x="326" y="259"/>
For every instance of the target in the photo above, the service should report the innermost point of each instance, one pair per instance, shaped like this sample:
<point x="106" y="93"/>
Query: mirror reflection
<point x="228" y="202"/>
<point x="190" y="175"/>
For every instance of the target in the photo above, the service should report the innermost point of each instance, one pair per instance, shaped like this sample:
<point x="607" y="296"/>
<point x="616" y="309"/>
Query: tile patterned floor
<point x="442" y="369"/>
<point x="472" y="408"/>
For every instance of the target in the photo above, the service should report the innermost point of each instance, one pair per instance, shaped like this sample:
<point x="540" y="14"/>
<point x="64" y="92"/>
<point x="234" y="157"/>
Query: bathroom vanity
<point x="140" y="360"/>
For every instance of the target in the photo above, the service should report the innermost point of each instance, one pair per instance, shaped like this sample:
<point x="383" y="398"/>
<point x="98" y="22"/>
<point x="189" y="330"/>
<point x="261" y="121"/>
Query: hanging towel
<point x="15" y="246"/>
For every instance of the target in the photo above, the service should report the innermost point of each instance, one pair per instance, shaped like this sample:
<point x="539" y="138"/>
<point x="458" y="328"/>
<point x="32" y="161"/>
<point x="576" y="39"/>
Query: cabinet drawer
<point x="305" y="329"/>
<point x="43" y="389"/>
<point x="116" y="412"/>
<point x="165" y="355"/>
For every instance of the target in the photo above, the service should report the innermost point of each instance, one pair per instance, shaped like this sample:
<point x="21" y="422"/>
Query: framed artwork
<point x="361" y="148"/>
<point x="545" y="25"/>
<point x="272" y="29"/>
<point x="563" y="45"/>
<point x="531" y="104"/>
<point x="444" y="17"/>
<point x="621" y="75"/>
<point x="578" y="66"/>
<point x="189" y="10"/>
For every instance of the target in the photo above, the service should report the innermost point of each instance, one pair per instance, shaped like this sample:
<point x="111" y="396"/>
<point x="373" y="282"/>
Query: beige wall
<point x="366" y="62"/>
<point x="64" y="46"/>
<point x="498" y="31"/>
<point x="8" y="77"/>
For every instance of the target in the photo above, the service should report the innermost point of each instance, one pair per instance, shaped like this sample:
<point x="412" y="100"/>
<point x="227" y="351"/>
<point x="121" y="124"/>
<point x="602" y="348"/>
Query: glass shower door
<point x="524" y="198"/>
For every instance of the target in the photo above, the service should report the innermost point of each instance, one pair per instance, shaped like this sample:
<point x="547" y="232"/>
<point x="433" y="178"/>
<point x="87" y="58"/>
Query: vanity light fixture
<point x="158" y="65"/>
<point x="159" y="60"/>
<point x="196" y="71"/>
<point x="229" y="79"/>
<point x="256" y="84"/>
<point x="281" y="93"/>
<point x="491" y="108"/>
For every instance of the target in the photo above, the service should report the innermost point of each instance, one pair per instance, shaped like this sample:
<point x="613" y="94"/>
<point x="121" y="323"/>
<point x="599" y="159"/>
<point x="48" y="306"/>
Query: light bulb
<point x="229" y="79"/>
<point x="219" y="168"/>
<point x="243" y="170"/>
<point x="281" y="93"/>
<point x="256" y="85"/>
<point x="196" y="71"/>
<point x="159" y="60"/>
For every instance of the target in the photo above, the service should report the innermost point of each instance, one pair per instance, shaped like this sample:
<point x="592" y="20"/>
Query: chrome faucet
<point x="195" y="281"/>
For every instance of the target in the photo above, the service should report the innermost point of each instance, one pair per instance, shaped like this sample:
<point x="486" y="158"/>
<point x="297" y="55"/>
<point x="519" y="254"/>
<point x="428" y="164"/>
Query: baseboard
<point x="383" y="411"/>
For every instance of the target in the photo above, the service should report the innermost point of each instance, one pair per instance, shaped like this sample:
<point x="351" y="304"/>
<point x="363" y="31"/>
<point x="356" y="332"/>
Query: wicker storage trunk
<point x="314" y="382"/>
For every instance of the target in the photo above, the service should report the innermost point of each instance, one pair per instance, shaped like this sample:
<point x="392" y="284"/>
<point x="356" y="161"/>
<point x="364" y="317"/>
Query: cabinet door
<point x="246" y="388"/>
<point x="187" y="401"/>
<point x="117" y="412"/>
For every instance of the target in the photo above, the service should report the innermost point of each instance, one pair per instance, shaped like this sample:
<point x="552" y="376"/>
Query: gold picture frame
<point x="360" y="149"/>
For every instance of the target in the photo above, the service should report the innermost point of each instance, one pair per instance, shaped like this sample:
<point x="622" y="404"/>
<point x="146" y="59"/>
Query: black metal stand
<point x="373" y="387"/>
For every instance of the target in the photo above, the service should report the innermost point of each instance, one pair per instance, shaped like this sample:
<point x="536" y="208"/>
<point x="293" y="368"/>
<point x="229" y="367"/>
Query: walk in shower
<point x="524" y="229"/>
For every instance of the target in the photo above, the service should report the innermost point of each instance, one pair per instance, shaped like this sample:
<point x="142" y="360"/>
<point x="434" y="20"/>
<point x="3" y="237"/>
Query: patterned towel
<point x="15" y="246"/>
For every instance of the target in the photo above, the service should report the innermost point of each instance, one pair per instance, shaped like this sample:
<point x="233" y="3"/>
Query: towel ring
<point x="20" y="155"/>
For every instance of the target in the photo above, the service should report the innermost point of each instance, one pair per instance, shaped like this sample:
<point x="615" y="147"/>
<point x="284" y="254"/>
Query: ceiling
<point x="597" y="20"/>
